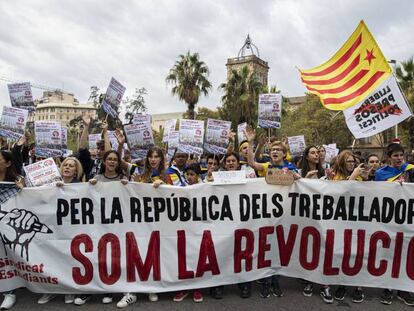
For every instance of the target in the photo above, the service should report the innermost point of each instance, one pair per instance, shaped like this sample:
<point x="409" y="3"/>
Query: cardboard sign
<point x="275" y="176"/>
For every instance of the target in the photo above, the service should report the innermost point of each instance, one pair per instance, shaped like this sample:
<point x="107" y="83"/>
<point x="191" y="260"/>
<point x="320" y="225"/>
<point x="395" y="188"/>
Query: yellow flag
<point x="351" y="74"/>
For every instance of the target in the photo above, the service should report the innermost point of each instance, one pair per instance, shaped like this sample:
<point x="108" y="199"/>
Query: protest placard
<point x="41" y="173"/>
<point x="191" y="136"/>
<point x="270" y="110"/>
<point x="168" y="128"/>
<point x="296" y="144"/>
<point x="13" y="122"/>
<point x="48" y="139"/>
<point x="93" y="139"/>
<point x="140" y="139"/>
<point x="217" y="136"/>
<point x="21" y="96"/>
<point x="113" y="98"/>
<point x="240" y="132"/>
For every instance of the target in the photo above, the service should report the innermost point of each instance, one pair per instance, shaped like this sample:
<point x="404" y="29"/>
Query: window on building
<point x="52" y="116"/>
<point x="52" y="109"/>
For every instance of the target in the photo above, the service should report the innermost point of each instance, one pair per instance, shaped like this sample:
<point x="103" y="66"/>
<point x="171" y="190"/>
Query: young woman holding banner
<point x="154" y="172"/>
<point x="110" y="171"/>
<point x="71" y="172"/>
<point x="345" y="168"/>
<point x="232" y="163"/>
<point x="311" y="168"/>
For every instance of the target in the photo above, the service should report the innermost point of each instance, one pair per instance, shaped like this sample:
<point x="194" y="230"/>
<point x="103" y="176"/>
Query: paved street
<point x="292" y="300"/>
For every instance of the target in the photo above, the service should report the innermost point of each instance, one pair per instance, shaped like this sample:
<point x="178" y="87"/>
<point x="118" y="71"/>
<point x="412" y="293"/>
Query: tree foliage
<point x="135" y="104"/>
<point x="204" y="113"/>
<point x="318" y="124"/>
<point x="189" y="79"/>
<point x="405" y="77"/>
<point x="240" y="99"/>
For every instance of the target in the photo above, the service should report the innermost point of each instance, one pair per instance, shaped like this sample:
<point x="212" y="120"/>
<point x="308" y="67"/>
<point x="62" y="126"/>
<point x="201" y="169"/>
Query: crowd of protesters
<point x="254" y="156"/>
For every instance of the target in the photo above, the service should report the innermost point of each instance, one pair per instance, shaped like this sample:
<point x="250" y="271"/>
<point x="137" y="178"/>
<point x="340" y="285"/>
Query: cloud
<point x="77" y="44"/>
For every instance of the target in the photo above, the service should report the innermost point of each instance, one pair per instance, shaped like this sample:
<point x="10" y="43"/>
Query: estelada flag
<point x="351" y="74"/>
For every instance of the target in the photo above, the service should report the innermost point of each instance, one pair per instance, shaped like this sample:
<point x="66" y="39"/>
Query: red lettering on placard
<point x="183" y="273"/>
<point x="316" y="247"/>
<point x="328" y="268"/>
<point x="112" y="240"/>
<point x="372" y="253"/>
<point x="247" y="253"/>
<point x="78" y="277"/>
<point x="359" y="257"/>
<point x="264" y="247"/>
<point x="207" y="259"/>
<point x="134" y="261"/>
<point x="286" y="247"/>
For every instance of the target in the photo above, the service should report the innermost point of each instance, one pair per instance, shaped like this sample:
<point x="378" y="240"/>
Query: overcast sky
<point x="77" y="44"/>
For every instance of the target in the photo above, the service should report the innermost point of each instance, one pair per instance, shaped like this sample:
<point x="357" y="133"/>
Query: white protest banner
<point x="217" y="136"/>
<point x="270" y="110"/>
<point x="296" y="144"/>
<point x="382" y="109"/>
<point x="113" y="98"/>
<point x="21" y="96"/>
<point x="168" y="128"/>
<point x="140" y="139"/>
<point x="13" y="122"/>
<point x="42" y="173"/>
<point x="115" y="238"/>
<point x="93" y="139"/>
<point x="48" y="139"/>
<point x="240" y="132"/>
<point x="191" y="136"/>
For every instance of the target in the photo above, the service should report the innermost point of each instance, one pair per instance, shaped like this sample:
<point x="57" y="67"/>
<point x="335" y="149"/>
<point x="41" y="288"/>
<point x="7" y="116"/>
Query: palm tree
<point x="405" y="76"/>
<point x="241" y="92"/>
<point x="189" y="77"/>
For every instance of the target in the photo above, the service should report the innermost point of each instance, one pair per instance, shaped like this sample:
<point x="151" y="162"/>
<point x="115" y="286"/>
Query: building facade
<point x="256" y="65"/>
<point x="62" y="107"/>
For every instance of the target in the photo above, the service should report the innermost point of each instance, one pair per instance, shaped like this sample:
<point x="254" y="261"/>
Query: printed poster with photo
<point x="191" y="136"/>
<point x="13" y="122"/>
<point x="296" y="145"/>
<point x="140" y="118"/>
<point x="93" y="139"/>
<point x="48" y="139"/>
<point x="113" y="98"/>
<point x="21" y="96"/>
<point x="240" y="132"/>
<point x="217" y="136"/>
<point x="41" y="173"/>
<point x="168" y="128"/>
<point x="270" y="110"/>
<point x="140" y="139"/>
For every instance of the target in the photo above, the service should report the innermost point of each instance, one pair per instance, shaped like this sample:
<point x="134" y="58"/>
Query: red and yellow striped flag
<point x="351" y="74"/>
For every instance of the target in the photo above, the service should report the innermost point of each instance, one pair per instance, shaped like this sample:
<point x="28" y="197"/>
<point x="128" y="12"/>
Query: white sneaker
<point x="69" y="298"/>
<point x="153" y="297"/>
<point x="46" y="298"/>
<point x="127" y="300"/>
<point x="8" y="302"/>
<point x="107" y="299"/>
<point x="81" y="299"/>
